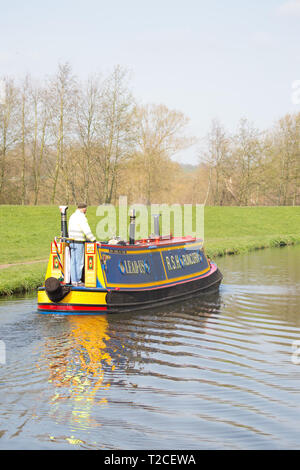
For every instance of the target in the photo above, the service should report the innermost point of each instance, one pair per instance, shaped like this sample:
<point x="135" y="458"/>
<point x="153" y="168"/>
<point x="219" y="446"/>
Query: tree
<point x="8" y="125"/>
<point x="116" y="132"/>
<point x="24" y="134"/>
<point x="63" y="95"/>
<point x="216" y="157"/>
<point x="286" y="157"/>
<point x="39" y="101"/>
<point x="246" y="157"/>
<point x="161" y="134"/>
<point x="88" y="121"/>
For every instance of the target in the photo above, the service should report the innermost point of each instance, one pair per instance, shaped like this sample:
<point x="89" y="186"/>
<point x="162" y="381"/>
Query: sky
<point x="209" y="59"/>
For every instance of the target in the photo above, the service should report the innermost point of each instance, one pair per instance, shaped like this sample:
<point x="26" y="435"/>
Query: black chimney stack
<point x="132" y="228"/>
<point x="64" y="225"/>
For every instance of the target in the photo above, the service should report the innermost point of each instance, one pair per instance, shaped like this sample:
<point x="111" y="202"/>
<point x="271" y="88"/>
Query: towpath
<point x="4" y="266"/>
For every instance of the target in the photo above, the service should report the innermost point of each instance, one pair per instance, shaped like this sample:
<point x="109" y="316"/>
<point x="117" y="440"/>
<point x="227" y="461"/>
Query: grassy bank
<point x="26" y="233"/>
<point x="26" y="278"/>
<point x="233" y="230"/>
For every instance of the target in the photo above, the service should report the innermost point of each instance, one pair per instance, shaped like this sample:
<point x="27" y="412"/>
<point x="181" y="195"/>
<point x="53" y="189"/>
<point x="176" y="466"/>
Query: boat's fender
<point x="55" y="291"/>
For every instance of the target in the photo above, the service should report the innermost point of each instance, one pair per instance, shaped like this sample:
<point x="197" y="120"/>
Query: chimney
<point x="64" y="225"/>
<point x="132" y="228"/>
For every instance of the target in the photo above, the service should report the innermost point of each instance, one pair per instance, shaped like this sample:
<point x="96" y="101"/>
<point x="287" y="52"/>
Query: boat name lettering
<point x="134" y="267"/>
<point x="181" y="261"/>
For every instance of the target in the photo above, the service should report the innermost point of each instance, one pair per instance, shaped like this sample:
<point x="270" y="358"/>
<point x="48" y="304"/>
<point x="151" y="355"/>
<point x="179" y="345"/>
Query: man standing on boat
<point x="79" y="231"/>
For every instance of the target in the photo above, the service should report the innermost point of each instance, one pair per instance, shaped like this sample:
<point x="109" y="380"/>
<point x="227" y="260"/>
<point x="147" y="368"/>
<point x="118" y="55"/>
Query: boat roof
<point x="158" y="242"/>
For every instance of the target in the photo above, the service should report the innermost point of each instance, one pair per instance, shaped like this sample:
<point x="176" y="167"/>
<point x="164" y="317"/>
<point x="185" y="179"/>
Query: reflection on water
<point x="213" y="372"/>
<point x="77" y="366"/>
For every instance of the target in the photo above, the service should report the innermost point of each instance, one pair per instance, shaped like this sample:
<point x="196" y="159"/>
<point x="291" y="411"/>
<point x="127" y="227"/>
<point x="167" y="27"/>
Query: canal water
<point x="220" y="371"/>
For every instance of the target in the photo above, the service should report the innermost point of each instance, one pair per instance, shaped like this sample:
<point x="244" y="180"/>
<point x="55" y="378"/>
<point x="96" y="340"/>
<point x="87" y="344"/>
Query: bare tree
<point x="161" y="134"/>
<point x="40" y="102"/>
<point x="287" y="155"/>
<point x="88" y="121"/>
<point x="246" y="153"/>
<point x="8" y="125"/>
<point x="116" y="133"/>
<point x="24" y="123"/>
<point x="216" y="157"/>
<point x="63" y="95"/>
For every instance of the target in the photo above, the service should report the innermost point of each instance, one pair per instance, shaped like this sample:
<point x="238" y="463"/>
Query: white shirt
<point x="79" y="228"/>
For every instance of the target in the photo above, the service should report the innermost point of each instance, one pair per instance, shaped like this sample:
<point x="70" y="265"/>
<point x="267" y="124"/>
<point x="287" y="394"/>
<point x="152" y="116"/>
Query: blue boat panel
<point x="184" y="262"/>
<point x="134" y="268"/>
<point x="152" y="266"/>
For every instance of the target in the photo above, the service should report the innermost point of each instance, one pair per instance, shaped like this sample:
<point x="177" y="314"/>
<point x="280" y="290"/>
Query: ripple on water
<point x="211" y="372"/>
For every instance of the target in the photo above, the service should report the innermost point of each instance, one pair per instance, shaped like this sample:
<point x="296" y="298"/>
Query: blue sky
<point x="208" y="59"/>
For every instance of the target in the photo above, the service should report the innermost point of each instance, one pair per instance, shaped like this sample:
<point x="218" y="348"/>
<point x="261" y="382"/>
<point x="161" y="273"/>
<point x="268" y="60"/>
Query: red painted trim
<point x="71" y="308"/>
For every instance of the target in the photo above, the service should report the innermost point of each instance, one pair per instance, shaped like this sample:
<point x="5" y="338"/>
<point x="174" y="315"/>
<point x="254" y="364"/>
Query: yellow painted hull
<point x="77" y="301"/>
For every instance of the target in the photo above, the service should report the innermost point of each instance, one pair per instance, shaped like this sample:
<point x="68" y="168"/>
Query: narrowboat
<point x="120" y="276"/>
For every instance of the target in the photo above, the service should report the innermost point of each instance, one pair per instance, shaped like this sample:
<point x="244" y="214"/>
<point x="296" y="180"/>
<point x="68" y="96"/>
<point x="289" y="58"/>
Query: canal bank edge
<point x="27" y="276"/>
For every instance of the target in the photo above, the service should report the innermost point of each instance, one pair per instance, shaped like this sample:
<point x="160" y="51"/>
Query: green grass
<point x="230" y="230"/>
<point x="25" y="279"/>
<point x="26" y="233"/>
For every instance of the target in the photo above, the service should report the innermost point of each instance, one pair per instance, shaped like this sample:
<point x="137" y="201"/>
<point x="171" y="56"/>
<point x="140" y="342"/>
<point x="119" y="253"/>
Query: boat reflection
<point x="79" y="365"/>
<point x="93" y="353"/>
